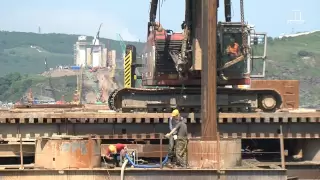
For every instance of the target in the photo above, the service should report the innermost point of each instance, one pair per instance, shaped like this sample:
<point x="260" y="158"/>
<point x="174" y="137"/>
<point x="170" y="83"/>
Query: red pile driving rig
<point x="171" y="76"/>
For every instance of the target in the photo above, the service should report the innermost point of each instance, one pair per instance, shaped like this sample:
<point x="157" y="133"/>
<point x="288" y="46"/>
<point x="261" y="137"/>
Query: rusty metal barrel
<point x="67" y="152"/>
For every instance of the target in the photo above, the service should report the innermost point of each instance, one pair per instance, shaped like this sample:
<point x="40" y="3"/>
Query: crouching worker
<point x="112" y="152"/>
<point x="181" y="142"/>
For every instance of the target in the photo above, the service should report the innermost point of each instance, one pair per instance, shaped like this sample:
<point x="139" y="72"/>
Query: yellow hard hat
<point x="112" y="149"/>
<point x="175" y="113"/>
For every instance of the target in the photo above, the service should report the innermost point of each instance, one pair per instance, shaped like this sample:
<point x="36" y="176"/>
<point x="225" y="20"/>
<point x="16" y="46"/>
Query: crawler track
<point x="188" y="100"/>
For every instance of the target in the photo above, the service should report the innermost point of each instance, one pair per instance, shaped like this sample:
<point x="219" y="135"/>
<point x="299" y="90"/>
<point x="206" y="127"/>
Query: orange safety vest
<point x="233" y="50"/>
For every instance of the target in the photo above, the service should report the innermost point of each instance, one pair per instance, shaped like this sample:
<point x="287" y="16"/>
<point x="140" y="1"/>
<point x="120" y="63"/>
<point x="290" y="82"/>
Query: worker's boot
<point x="169" y="163"/>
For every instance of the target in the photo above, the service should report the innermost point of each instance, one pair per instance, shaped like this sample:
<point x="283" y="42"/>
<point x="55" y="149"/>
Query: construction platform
<point x="72" y="157"/>
<point x="43" y="115"/>
<point x="145" y="174"/>
<point x="32" y="123"/>
<point x="303" y="170"/>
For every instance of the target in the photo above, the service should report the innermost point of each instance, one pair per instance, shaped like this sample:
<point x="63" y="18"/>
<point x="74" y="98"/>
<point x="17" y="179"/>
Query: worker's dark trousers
<point x="232" y="57"/>
<point x="114" y="160"/>
<point x="171" y="150"/>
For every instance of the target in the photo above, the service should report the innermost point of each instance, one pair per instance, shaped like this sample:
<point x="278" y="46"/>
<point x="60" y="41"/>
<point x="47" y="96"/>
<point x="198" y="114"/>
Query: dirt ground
<point x="105" y="82"/>
<point x="60" y="73"/>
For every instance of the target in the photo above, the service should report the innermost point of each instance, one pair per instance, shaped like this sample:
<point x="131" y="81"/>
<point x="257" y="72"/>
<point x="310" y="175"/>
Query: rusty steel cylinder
<point x="67" y="153"/>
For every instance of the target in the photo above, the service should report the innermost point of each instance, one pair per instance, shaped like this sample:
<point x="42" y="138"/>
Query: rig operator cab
<point x="160" y="68"/>
<point x="236" y="70"/>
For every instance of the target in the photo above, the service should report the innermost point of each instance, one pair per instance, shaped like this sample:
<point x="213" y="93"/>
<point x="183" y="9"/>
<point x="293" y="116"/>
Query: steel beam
<point x="143" y="174"/>
<point x="209" y="73"/>
<point x="9" y="132"/>
<point x="13" y="150"/>
<point x="307" y="171"/>
<point x="45" y="116"/>
<point x="35" y="106"/>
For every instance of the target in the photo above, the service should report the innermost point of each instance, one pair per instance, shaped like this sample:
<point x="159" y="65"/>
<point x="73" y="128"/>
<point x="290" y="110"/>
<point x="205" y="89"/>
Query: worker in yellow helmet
<point x="113" y="150"/>
<point x="172" y="123"/>
<point x="178" y="136"/>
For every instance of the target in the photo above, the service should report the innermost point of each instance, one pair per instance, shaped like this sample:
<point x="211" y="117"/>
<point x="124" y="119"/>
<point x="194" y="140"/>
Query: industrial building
<point x="92" y="54"/>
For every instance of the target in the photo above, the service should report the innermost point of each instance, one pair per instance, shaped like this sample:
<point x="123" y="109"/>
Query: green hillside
<point x="25" y="52"/>
<point x="297" y="58"/>
<point x="13" y="86"/>
<point x="288" y="58"/>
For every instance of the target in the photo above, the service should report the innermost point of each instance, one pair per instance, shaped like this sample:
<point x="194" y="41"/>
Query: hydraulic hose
<point x="123" y="168"/>
<point x="145" y="166"/>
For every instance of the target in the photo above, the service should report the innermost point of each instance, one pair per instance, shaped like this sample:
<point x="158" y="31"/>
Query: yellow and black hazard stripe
<point x="127" y="69"/>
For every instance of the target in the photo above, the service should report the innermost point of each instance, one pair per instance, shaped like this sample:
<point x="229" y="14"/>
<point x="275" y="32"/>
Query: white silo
<point x="78" y="54"/>
<point x="104" y="58"/>
<point x="96" y="56"/>
<point x="89" y="58"/>
<point x="113" y="58"/>
<point x="81" y="55"/>
<point x="96" y="53"/>
<point x="109" y="57"/>
<point x="80" y="51"/>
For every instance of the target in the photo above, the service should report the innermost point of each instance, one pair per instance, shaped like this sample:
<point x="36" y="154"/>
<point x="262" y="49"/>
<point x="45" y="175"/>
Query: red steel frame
<point x="149" y="78"/>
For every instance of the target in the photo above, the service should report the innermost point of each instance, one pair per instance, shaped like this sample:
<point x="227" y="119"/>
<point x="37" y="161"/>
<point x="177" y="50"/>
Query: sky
<point x="129" y="17"/>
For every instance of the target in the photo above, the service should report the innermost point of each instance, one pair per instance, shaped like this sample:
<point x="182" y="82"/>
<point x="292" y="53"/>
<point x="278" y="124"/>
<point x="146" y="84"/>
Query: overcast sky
<point x="129" y="17"/>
